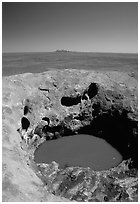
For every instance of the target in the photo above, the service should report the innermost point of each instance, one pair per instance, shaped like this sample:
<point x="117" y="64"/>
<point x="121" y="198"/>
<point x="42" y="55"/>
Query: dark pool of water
<point x="79" y="150"/>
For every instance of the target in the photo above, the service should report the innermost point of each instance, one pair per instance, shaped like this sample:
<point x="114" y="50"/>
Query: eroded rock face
<point x="39" y="107"/>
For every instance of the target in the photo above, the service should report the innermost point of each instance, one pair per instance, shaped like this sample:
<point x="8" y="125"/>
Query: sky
<point x="74" y="26"/>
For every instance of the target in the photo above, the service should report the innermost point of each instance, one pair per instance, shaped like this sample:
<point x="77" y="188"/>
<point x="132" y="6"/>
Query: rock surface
<point x="38" y="107"/>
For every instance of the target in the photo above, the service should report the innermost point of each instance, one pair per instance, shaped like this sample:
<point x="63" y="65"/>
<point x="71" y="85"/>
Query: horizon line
<point x="68" y="51"/>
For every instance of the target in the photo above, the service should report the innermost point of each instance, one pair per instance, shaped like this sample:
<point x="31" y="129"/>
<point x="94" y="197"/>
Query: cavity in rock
<point x="25" y="123"/>
<point x="26" y="110"/>
<point x="46" y="119"/>
<point x="27" y="107"/>
<point x="92" y="90"/>
<point x="79" y="150"/>
<point x="70" y="101"/>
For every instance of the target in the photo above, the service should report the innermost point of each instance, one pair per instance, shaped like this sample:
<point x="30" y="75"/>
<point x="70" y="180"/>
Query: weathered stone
<point x="61" y="103"/>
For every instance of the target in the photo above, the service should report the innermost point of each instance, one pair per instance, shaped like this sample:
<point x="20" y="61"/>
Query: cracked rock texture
<point x="38" y="107"/>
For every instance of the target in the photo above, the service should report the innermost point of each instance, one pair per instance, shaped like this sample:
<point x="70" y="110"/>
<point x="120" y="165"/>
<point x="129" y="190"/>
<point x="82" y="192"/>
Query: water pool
<point x="79" y="150"/>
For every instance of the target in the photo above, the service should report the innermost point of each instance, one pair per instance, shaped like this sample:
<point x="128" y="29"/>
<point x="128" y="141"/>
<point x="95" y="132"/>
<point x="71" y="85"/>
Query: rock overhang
<point x="69" y="101"/>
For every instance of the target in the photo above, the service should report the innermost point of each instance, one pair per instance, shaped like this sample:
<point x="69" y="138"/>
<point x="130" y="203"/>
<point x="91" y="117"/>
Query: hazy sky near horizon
<point x="76" y="26"/>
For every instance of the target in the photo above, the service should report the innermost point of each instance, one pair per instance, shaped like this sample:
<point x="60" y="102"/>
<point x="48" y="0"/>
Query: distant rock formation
<point x="62" y="50"/>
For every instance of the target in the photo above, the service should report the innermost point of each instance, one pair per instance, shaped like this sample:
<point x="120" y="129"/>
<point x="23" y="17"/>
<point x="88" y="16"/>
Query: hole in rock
<point x="70" y="101"/>
<point x="25" y="123"/>
<point x="79" y="150"/>
<point x="92" y="90"/>
<point x="27" y="107"/>
<point x="46" y="119"/>
<point x="26" y="110"/>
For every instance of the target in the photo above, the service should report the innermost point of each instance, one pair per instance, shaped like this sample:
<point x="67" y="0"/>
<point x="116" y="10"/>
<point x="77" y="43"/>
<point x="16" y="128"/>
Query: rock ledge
<point x="38" y="107"/>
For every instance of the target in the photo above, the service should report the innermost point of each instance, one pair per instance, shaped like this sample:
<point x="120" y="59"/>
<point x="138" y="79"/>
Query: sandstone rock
<point x="67" y="102"/>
